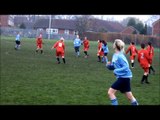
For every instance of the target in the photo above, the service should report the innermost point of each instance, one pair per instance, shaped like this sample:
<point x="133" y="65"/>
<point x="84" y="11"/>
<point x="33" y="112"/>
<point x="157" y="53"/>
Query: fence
<point x="30" y="33"/>
<point x="127" y="38"/>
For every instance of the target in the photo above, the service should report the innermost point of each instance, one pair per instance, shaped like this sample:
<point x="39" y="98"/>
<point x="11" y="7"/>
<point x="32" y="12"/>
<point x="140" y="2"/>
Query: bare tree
<point x="82" y="24"/>
<point x="152" y="19"/>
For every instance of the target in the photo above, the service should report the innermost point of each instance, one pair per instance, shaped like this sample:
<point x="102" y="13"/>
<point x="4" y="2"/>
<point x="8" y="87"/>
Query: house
<point x="63" y="26"/>
<point x="58" y="26"/>
<point x="156" y="28"/>
<point x="130" y="30"/>
<point x="98" y="25"/>
<point x="6" y="21"/>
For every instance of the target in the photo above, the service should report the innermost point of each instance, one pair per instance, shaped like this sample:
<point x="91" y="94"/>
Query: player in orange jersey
<point x="133" y="51"/>
<point x="150" y="50"/>
<point x="100" y="52"/>
<point x="39" y="43"/>
<point x="86" y="46"/>
<point x="143" y="59"/>
<point x="60" y="50"/>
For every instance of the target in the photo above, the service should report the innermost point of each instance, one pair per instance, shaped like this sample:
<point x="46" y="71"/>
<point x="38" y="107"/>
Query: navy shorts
<point x="76" y="49"/>
<point x="105" y="54"/>
<point x="122" y="84"/>
<point x="18" y="42"/>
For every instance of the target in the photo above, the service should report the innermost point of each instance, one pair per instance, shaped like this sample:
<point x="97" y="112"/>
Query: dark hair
<point x="149" y="43"/>
<point x="132" y="43"/>
<point x="104" y="42"/>
<point x="100" y="40"/>
<point x="142" y="45"/>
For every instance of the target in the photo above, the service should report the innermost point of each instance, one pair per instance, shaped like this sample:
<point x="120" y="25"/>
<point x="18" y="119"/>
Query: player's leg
<point x="57" y="57"/>
<point x="132" y="61"/>
<point x="98" y="55"/>
<point x="150" y="67"/>
<point x="111" y="94"/>
<point x="146" y="72"/>
<point x="76" y="50"/>
<point x="126" y="88"/>
<point x="78" y="53"/>
<point x="132" y="99"/>
<point x="41" y="49"/>
<point x="63" y="58"/>
<point x="37" y="49"/>
<point x="112" y="91"/>
<point x="145" y="76"/>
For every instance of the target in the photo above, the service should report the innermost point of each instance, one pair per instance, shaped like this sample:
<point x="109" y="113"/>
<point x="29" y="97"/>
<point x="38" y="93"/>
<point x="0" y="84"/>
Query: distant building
<point x="6" y="21"/>
<point x="130" y="30"/>
<point x="58" y="26"/>
<point x="156" y="28"/>
<point x="63" y="26"/>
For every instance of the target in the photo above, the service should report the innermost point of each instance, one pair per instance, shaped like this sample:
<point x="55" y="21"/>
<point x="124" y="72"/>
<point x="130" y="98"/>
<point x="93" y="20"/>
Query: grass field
<point x="36" y="79"/>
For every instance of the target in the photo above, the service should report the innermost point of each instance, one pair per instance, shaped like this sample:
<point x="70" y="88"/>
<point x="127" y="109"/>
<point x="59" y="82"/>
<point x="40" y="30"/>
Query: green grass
<point x="34" y="79"/>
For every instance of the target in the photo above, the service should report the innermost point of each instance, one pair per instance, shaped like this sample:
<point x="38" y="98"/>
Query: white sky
<point x="143" y="18"/>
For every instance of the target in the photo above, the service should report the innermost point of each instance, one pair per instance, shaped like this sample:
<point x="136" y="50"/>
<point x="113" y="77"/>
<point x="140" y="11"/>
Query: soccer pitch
<point x="28" y="78"/>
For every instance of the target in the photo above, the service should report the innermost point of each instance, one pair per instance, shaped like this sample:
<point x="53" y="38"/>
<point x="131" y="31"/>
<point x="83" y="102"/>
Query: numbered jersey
<point x="59" y="45"/>
<point x="143" y="58"/>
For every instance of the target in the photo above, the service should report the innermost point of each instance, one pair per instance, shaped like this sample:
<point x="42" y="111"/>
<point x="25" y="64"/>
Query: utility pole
<point x="49" y="35"/>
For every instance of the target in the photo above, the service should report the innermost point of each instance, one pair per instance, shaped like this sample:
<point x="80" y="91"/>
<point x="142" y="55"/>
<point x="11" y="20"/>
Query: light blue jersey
<point x="18" y="37"/>
<point x="105" y="48"/>
<point x="77" y="42"/>
<point x="120" y="66"/>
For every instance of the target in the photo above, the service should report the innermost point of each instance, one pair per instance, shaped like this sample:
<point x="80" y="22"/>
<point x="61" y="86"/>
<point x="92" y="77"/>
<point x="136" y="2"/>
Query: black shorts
<point x="122" y="84"/>
<point x="76" y="49"/>
<point x="105" y="54"/>
<point x="18" y="42"/>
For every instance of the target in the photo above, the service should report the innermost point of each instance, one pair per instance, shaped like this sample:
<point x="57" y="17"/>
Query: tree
<point x="152" y="19"/>
<point x="144" y="30"/>
<point x="82" y="24"/>
<point x="22" y="26"/>
<point x="124" y="22"/>
<point x="131" y="22"/>
<point x="139" y="27"/>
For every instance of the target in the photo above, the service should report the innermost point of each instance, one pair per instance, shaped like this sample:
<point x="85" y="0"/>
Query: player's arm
<point x="110" y="66"/>
<point x="128" y="50"/>
<point x="54" y="46"/>
<point x="88" y="44"/>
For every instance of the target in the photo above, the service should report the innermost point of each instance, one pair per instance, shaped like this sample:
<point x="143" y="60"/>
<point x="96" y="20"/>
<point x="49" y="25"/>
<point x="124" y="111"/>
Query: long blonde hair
<point x="119" y="45"/>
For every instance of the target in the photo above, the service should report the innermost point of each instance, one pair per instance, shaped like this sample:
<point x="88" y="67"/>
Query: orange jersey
<point x="99" y="46"/>
<point x="59" y="45"/>
<point x="143" y="58"/>
<point x="86" y="44"/>
<point x="39" y="41"/>
<point x="132" y="49"/>
<point x="150" y="50"/>
<point x="100" y="52"/>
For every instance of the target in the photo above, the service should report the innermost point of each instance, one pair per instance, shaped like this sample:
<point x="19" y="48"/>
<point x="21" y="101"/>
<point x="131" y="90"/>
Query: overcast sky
<point x="121" y="17"/>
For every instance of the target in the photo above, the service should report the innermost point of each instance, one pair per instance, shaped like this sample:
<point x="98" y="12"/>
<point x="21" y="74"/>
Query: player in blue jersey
<point x="122" y="72"/>
<point x="17" y="40"/>
<point x="77" y="43"/>
<point x="105" y="51"/>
